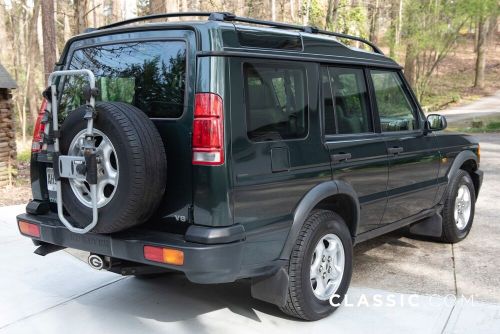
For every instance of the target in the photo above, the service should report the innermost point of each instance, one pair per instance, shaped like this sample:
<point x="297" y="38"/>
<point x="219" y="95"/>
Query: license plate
<point x="51" y="181"/>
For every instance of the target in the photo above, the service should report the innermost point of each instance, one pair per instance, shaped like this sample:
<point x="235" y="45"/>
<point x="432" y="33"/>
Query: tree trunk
<point x="393" y="29"/>
<point x="374" y="14"/>
<point x="157" y="7"/>
<point x="81" y="17"/>
<point x="305" y="19"/>
<point x="397" y="37"/>
<point x="331" y="14"/>
<point x="33" y="56"/>
<point x="410" y="61"/>
<point x="273" y="10"/>
<point x="481" y="53"/>
<point x="49" y="37"/>
<point x="3" y="30"/>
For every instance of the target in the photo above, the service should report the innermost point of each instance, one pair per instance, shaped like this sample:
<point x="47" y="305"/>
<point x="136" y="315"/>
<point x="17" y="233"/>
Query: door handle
<point x="395" y="150"/>
<point x="340" y="157"/>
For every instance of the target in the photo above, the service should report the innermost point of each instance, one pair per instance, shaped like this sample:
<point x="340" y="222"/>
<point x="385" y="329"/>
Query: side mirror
<point x="436" y="122"/>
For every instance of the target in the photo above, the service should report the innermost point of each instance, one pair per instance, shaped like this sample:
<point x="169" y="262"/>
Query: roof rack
<point x="229" y="17"/>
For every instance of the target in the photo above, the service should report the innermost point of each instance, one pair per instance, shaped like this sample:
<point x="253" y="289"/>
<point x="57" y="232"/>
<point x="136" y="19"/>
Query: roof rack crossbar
<point x="228" y="17"/>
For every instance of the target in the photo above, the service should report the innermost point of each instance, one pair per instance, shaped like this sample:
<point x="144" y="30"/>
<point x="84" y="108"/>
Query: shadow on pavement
<point x="172" y="298"/>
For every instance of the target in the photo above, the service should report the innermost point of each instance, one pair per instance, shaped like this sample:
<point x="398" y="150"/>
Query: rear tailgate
<point x="153" y="70"/>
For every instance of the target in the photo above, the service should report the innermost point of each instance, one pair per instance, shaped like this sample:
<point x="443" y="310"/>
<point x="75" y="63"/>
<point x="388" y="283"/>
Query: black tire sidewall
<point x="314" y="307"/>
<point x="142" y="164"/>
<point x="451" y="233"/>
<point x="71" y="127"/>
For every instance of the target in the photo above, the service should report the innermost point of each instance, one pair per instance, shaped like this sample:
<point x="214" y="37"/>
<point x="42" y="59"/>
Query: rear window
<point x="149" y="75"/>
<point x="276" y="102"/>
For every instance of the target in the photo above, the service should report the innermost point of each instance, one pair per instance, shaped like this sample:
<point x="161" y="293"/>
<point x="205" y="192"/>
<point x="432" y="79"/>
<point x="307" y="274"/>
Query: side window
<point x="345" y="101"/>
<point x="276" y="101"/>
<point x="330" y="125"/>
<point x="394" y="107"/>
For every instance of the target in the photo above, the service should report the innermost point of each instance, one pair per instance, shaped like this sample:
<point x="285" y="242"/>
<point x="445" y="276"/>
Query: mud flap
<point x="430" y="227"/>
<point x="272" y="289"/>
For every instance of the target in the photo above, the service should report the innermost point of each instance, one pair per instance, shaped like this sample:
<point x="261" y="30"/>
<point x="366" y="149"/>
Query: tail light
<point x="164" y="255"/>
<point x="29" y="229"/>
<point x="208" y="130"/>
<point x="37" y="143"/>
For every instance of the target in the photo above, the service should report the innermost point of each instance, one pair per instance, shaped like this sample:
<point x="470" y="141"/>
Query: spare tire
<point x="132" y="167"/>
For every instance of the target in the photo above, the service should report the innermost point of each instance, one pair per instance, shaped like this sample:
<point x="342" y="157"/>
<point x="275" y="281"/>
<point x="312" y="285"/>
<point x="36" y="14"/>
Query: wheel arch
<point x="468" y="161"/>
<point x="337" y="196"/>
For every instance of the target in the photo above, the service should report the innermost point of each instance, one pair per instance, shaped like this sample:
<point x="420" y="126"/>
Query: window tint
<point x="395" y="110"/>
<point x="345" y="101"/>
<point x="149" y="75"/>
<point x="276" y="102"/>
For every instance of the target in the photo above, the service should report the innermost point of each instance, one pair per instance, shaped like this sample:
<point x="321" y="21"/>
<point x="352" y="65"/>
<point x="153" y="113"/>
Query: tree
<point x="431" y="37"/>
<point x="33" y="56"/>
<point x="331" y="13"/>
<point x="81" y="15"/>
<point x="49" y="37"/>
<point x="482" y="11"/>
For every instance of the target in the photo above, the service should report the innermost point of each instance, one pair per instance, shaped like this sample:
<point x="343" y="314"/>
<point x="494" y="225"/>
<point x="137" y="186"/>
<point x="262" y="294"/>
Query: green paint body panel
<point x="263" y="185"/>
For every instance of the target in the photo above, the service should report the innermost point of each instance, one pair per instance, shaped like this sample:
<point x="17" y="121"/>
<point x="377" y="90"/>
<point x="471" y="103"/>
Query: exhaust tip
<point x="96" y="261"/>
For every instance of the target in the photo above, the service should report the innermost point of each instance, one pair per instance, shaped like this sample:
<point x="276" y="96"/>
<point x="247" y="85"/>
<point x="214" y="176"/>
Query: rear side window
<point x="345" y="101"/>
<point x="149" y="75"/>
<point x="394" y="107"/>
<point x="276" y="102"/>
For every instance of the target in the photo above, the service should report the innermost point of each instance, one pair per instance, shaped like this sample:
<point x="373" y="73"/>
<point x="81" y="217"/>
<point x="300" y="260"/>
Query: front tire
<point x="459" y="208"/>
<point x="320" y="266"/>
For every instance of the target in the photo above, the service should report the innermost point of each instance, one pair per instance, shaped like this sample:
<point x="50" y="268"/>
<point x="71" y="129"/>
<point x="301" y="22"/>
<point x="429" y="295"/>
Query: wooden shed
<point x="7" y="128"/>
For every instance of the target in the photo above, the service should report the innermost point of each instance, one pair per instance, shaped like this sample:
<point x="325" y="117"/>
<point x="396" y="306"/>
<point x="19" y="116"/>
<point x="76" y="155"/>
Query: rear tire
<point x="304" y="301"/>
<point x="139" y="167"/>
<point x="459" y="208"/>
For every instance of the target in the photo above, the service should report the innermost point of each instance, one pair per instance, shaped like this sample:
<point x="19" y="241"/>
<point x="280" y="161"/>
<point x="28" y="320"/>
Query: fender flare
<point x="309" y="201"/>
<point x="458" y="162"/>
<point x="455" y="166"/>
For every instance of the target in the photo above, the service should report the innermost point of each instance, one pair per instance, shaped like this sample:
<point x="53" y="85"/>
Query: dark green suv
<point x="231" y="148"/>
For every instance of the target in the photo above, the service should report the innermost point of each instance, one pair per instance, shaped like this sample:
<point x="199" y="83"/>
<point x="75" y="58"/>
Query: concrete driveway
<point x="484" y="107"/>
<point x="424" y="287"/>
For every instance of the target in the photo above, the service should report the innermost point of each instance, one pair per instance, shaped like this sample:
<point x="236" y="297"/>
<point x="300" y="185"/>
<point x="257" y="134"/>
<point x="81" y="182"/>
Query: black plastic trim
<point x="215" y="235"/>
<point x="36" y="207"/>
<point x="215" y="263"/>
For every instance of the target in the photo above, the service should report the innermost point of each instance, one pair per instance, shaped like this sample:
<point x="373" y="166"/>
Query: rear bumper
<point x="203" y="263"/>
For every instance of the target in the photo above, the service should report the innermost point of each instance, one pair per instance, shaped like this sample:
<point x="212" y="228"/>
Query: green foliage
<point x="493" y="126"/>
<point x="351" y="20"/>
<point x="481" y="8"/>
<point x="431" y="30"/>
<point x="316" y="14"/>
<point x="24" y="156"/>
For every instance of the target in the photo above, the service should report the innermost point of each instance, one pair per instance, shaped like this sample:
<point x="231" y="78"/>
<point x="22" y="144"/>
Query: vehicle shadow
<point x="172" y="298"/>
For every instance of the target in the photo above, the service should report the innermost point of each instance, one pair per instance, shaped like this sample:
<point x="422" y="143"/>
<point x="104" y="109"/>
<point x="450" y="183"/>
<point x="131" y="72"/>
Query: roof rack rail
<point x="228" y="17"/>
<point x="156" y="16"/>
